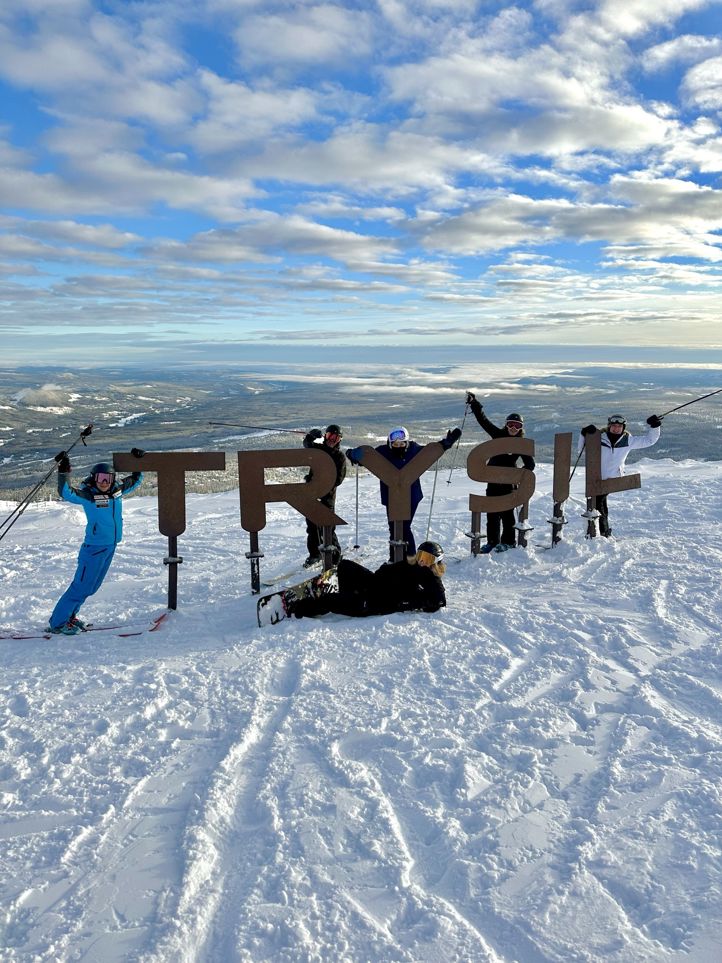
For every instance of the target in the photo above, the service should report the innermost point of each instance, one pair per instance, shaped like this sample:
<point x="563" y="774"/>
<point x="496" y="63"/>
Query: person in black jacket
<point x="328" y="441"/>
<point x="500" y="531"/>
<point x="413" y="584"/>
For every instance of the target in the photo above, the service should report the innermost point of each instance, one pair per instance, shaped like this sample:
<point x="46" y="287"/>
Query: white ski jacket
<point x="613" y="458"/>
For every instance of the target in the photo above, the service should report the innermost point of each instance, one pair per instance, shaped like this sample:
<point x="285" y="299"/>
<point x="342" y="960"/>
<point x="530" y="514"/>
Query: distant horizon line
<point x="699" y="355"/>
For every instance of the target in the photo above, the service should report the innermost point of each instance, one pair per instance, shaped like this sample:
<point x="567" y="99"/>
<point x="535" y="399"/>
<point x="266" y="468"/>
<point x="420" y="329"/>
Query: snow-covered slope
<point x="531" y="775"/>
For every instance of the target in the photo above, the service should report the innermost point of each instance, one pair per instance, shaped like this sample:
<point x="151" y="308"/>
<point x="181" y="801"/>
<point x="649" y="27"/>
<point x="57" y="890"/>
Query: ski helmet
<point x="102" y="468"/>
<point x="397" y="435"/>
<point x="515" y="417"/>
<point x="617" y="420"/>
<point x="334" y="430"/>
<point x="432" y="548"/>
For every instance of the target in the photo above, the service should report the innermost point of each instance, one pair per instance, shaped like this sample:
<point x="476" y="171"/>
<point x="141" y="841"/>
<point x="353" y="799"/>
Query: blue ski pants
<point x="93" y="564"/>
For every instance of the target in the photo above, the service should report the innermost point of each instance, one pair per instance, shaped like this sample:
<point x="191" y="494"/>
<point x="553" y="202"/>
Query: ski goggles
<point x="398" y="437"/>
<point x="333" y="437"/>
<point x="104" y="476"/>
<point x="616" y="420"/>
<point x="515" y="424"/>
<point x="428" y="557"/>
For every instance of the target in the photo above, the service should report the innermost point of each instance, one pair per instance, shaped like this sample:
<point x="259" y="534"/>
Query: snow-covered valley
<point x="533" y="774"/>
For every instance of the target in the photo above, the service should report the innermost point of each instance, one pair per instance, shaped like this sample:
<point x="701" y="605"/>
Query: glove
<point x="470" y="397"/>
<point x="137" y="452"/>
<point x="312" y="438"/>
<point x="451" y="437"/>
<point x="589" y="430"/>
<point x="654" y="421"/>
<point x="63" y="462"/>
<point x="86" y="431"/>
<point x="354" y="455"/>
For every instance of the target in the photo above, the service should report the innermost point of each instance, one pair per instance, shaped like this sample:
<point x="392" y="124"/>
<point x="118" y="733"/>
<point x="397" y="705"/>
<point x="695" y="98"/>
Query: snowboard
<point x="273" y="608"/>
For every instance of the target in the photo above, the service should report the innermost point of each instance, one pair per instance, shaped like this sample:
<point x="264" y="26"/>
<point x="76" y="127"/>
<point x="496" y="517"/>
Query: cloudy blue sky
<point x="427" y="172"/>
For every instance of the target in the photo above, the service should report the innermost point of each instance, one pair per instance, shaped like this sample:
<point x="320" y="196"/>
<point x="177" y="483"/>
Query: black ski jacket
<point x="339" y="460"/>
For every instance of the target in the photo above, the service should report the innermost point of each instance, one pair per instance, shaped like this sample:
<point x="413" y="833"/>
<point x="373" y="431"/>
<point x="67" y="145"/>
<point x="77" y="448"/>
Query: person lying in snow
<point x="413" y="584"/>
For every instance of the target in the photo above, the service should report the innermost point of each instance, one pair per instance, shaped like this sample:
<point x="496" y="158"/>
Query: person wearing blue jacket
<point x="100" y="495"/>
<point x="399" y="450"/>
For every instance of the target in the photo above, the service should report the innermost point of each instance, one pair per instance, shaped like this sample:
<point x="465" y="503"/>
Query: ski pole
<point x="19" y="509"/>
<point x="431" y="506"/>
<point x="693" y="402"/>
<point x="356" y="545"/>
<point x="228" y="424"/>
<point x="456" y="450"/>
<point x="581" y="452"/>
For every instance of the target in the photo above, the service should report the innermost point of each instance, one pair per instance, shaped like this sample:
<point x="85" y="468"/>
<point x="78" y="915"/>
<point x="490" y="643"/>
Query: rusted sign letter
<point x="400" y="480"/>
<point x="595" y="484"/>
<point x="479" y="470"/>
<point x="171" y="467"/>
<point x="255" y="494"/>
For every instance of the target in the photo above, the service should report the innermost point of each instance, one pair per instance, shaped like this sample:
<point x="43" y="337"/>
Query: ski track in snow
<point x="531" y="775"/>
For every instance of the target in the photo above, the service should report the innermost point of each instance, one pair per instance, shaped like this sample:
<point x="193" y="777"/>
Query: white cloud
<point x="687" y="49"/>
<point x="677" y="218"/>
<point x="237" y="114"/>
<point x="629" y="18"/>
<point x="271" y="235"/>
<point x="367" y="158"/>
<point x="702" y="84"/>
<point x="316" y="34"/>
<point x="100" y="235"/>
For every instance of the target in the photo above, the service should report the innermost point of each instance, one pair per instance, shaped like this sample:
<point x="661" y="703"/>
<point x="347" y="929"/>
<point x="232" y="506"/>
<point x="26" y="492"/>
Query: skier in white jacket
<point x="616" y="446"/>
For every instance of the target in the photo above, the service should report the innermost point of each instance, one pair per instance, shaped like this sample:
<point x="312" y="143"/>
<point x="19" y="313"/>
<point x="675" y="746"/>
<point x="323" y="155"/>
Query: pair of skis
<point x="122" y="631"/>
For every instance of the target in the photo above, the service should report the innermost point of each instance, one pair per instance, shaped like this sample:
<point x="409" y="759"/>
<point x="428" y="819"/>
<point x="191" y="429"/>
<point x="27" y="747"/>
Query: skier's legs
<point x="341" y="603"/>
<point x="600" y="503"/>
<point x="93" y="564"/>
<point x="408" y="537"/>
<point x="508" y="532"/>
<point x="313" y="538"/>
<point x="493" y="527"/>
<point x="353" y="577"/>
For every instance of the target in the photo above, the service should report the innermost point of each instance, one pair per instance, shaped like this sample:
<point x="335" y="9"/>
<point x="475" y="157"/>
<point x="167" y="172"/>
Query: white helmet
<point x="397" y="435"/>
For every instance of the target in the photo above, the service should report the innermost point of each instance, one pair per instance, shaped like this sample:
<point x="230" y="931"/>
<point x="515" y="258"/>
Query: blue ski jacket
<point x="103" y="511"/>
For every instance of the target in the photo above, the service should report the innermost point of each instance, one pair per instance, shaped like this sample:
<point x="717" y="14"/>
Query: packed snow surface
<point x="531" y="775"/>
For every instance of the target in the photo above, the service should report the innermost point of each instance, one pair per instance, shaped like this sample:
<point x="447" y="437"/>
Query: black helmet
<point x="102" y="468"/>
<point x="334" y="430"/>
<point x="433" y="548"/>
<point x="515" y="417"/>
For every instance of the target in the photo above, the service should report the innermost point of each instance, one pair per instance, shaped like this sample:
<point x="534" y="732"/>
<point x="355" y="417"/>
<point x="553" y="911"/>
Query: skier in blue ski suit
<point x="100" y="497"/>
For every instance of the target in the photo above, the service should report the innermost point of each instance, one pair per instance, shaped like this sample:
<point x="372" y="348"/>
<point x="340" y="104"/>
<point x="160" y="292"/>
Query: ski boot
<point x="67" y="628"/>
